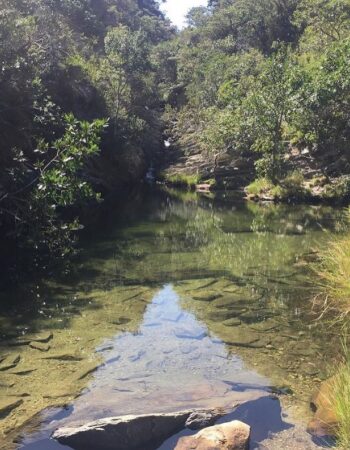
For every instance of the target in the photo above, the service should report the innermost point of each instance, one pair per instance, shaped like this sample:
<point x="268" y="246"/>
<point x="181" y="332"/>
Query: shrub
<point x="182" y="179"/>
<point x="291" y="187"/>
<point x="339" y="189"/>
<point x="259" y="186"/>
<point x="333" y="270"/>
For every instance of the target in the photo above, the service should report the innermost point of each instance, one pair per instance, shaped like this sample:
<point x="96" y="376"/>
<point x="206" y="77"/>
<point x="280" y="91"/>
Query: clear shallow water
<point x="175" y="302"/>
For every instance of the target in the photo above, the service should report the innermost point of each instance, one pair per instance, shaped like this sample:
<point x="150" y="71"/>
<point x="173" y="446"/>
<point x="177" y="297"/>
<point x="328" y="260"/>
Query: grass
<point x="259" y="186"/>
<point x="341" y="402"/>
<point x="333" y="270"/>
<point x="182" y="179"/>
<point x="289" y="188"/>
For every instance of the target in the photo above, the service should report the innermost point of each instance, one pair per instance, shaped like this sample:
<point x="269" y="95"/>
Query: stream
<point x="175" y="301"/>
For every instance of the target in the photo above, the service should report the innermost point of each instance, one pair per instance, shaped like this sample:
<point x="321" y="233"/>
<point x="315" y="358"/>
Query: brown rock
<point x="228" y="436"/>
<point x="324" y="422"/>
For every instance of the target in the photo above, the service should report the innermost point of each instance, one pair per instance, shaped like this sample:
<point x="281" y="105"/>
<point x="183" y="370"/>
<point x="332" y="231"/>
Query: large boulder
<point x="228" y="436"/>
<point x="131" y="432"/>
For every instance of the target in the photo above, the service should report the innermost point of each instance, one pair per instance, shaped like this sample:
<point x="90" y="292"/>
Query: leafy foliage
<point x="260" y="78"/>
<point x="64" y="66"/>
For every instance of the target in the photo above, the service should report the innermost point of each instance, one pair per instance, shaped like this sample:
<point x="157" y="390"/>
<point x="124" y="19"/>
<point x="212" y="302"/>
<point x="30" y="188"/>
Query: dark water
<point x="177" y="301"/>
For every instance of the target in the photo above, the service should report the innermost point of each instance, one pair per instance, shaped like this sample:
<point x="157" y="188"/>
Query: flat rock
<point x="265" y="326"/>
<point x="207" y="297"/>
<point x="121" y="321"/>
<point x="6" y="406"/>
<point x="123" y="433"/>
<point x="220" y="315"/>
<point x="228" y="436"/>
<point x="234" y="322"/>
<point x="43" y="338"/>
<point x="10" y="362"/>
<point x="65" y="357"/>
<point x="40" y="346"/>
<point x="191" y="333"/>
<point x="247" y="341"/>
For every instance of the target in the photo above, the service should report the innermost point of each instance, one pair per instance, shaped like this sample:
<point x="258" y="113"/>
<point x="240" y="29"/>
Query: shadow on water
<point x="253" y="413"/>
<point x="265" y="417"/>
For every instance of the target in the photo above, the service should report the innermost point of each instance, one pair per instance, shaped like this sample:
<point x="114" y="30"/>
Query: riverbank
<point x="305" y="180"/>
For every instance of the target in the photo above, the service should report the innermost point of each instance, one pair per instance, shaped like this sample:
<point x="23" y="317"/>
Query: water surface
<point x="176" y="301"/>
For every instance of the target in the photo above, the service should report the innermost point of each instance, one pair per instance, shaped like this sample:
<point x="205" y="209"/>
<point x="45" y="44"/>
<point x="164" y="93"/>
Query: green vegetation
<point x="339" y="190"/>
<point x="291" y="187"/>
<point x="334" y="273"/>
<point x="341" y="402"/>
<point x="260" y="186"/>
<point x="79" y="114"/>
<point x="266" y="81"/>
<point x="181" y="180"/>
<point x="262" y="86"/>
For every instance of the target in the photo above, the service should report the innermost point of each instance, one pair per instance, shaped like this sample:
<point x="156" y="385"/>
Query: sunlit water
<point x="176" y="302"/>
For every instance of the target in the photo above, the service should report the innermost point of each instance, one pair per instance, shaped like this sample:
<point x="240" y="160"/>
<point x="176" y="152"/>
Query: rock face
<point x="127" y="432"/>
<point x="324" y="422"/>
<point x="228" y="436"/>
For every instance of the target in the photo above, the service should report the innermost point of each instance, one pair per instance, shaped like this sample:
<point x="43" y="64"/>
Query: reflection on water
<point x="172" y="363"/>
<point x="174" y="303"/>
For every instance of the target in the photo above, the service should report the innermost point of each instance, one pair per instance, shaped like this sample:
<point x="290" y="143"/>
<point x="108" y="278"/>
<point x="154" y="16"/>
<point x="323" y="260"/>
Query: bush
<point x="338" y="190"/>
<point x="292" y="187"/>
<point x="259" y="186"/>
<point x="333" y="270"/>
<point x="182" y="179"/>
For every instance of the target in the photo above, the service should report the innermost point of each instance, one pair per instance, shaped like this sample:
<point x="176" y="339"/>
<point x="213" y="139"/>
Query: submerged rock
<point x="207" y="297"/>
<point x="6" y="406"/>
<point x="123" y="433"/>
<point x="234" y="322"/>
<point x="65" y="357"/>
<point x="40" y="346"/>
<point x="43" y="338"/>
<point x="228" y="436"/>
<point x="10" y="362"/>
<point x="195" y="333"/>
<point x="88" y="371"/>
<point x="245" y="341"/>
<point x="121" y="321"/>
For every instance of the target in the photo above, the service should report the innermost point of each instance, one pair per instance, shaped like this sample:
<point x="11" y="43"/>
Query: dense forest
<point x="80" y="112"/>
<point x="265" y="87"/>
<point x="250" y="94"/>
